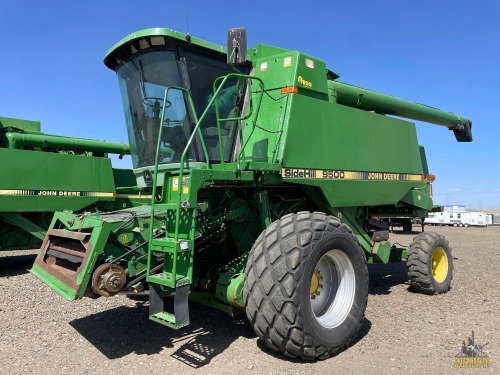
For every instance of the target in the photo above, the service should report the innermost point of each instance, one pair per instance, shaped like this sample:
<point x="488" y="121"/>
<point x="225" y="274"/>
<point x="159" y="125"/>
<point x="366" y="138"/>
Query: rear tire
<point x="306" y="286"/>
<point x="430" y="264"/>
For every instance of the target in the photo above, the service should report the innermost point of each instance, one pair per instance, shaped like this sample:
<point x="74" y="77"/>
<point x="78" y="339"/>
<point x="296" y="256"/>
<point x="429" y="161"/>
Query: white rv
<point x="474" y="218"/>
<point x="495" y="219"/>
<point x="438" y="218"/>
<point x="489" y="219"/>
<point x="457" y="219"/>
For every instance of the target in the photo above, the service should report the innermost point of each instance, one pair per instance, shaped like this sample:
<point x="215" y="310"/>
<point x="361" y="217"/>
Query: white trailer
<point x="457" y="219"/>
<point x="438" y="218"/>
<point x="489" y="219"/>
<point x="496" y="219"/>
<point x="474" y="219"/>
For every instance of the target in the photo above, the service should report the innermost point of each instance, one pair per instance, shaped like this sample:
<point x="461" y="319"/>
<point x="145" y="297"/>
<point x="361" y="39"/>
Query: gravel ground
<point x="403" y="332"/>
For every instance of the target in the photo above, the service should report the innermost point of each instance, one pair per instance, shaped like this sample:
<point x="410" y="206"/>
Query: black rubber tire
<point x="420" y="264"/>
<point x="407" y="225"/>
<point x="278" y="281"/>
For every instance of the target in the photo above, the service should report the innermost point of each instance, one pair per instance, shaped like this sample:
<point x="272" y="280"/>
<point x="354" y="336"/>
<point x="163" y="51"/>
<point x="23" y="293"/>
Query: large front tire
<point x="430" y="264"/>
<point x="306" y="286"/>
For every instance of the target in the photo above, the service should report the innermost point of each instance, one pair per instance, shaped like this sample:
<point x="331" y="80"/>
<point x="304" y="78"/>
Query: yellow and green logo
<point x="472" y="355"/>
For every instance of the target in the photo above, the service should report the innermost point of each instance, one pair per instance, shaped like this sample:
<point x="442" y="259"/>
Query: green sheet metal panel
<point x="265" y="132"/>
<point x="292" y="68"/>
<point x="26" y="125"/>
<point x="326" y="135"/>
<point x="49" y="181"/>
<point x="356" y="193"/>
<point x="334" y="138"/>
<point x="262" y="50"/>
<point x="277" y="71"/>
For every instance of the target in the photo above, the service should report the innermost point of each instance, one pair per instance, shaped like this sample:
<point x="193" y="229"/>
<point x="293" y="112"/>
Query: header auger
<point x="268" y="177"/>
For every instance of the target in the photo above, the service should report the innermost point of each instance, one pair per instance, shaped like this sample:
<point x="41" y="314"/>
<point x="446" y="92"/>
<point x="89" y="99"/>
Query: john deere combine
<point x="43" y="173"/>
<point x="267" y="177"/>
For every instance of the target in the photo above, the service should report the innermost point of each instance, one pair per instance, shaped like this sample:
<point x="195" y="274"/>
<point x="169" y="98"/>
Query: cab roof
<point x="155" y="38"/>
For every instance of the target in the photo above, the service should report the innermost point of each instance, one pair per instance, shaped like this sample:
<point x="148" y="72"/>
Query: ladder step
<point x="164" y="245"/>
<point x="164" y="278"/>
<point x="169" y="245"/>
<point x="165" y="206"/>
<point x="180" y="317"/>
<point x="167" y="319"/>
<point x="167" y="279"/>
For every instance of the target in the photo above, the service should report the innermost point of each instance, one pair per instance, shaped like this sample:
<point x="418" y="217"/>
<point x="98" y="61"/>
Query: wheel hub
<point x="439" y="264"/>
<point x="108" y="279"/>
<point x="316" y="285"/>
<point x="332" y="288"/>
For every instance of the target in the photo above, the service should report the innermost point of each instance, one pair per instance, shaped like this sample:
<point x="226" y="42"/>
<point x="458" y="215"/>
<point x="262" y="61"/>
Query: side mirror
<point x="236" y="46"/>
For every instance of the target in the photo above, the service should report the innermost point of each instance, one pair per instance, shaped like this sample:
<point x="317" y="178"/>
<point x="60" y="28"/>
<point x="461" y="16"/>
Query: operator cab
<point x="150" y="62"/>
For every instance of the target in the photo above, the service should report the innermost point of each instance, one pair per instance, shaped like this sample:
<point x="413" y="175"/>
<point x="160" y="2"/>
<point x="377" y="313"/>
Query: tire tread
<point x="272" y="303"/>
<point x="420" y="263"/>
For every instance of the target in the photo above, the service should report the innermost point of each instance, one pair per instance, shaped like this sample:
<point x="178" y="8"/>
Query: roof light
<point x="431" y="178"/>
<point x="157" y="41"/>
<point x="143" y="44"/>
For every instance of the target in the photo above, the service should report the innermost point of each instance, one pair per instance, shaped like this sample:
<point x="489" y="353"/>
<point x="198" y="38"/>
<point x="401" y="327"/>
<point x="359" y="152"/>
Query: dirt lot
<point x="403" y="332"/>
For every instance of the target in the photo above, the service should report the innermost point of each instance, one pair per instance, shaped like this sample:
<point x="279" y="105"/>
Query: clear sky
<point x="441" y="53"/>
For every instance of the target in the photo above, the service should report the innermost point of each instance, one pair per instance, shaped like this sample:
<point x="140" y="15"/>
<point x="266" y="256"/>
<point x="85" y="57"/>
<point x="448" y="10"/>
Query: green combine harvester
<point x="269" y="179"/>
<point x="43" y="173"/>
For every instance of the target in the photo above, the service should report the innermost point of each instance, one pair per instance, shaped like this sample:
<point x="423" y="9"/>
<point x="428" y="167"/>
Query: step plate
<point x="180" y="317"/>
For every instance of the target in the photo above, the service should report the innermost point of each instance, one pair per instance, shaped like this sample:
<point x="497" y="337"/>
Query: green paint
<point x="44" y="141"/>
<point x="244" y="155"/>
<point x="230" y="288"/>
<point x="382" y="251"/>
<point x="25" y="224"/>
<point x="23" y="125"/>
<point x="358" y="97"/>
<point x="45" y="173"/>
<point x="57" y="285"/>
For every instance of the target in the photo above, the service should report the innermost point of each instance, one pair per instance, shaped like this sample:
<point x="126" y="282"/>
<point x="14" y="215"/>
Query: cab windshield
<point x="143" y="81"/>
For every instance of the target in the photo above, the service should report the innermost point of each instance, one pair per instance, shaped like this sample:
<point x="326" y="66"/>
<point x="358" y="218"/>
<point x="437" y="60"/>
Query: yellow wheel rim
<point x="439" y="264"/>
